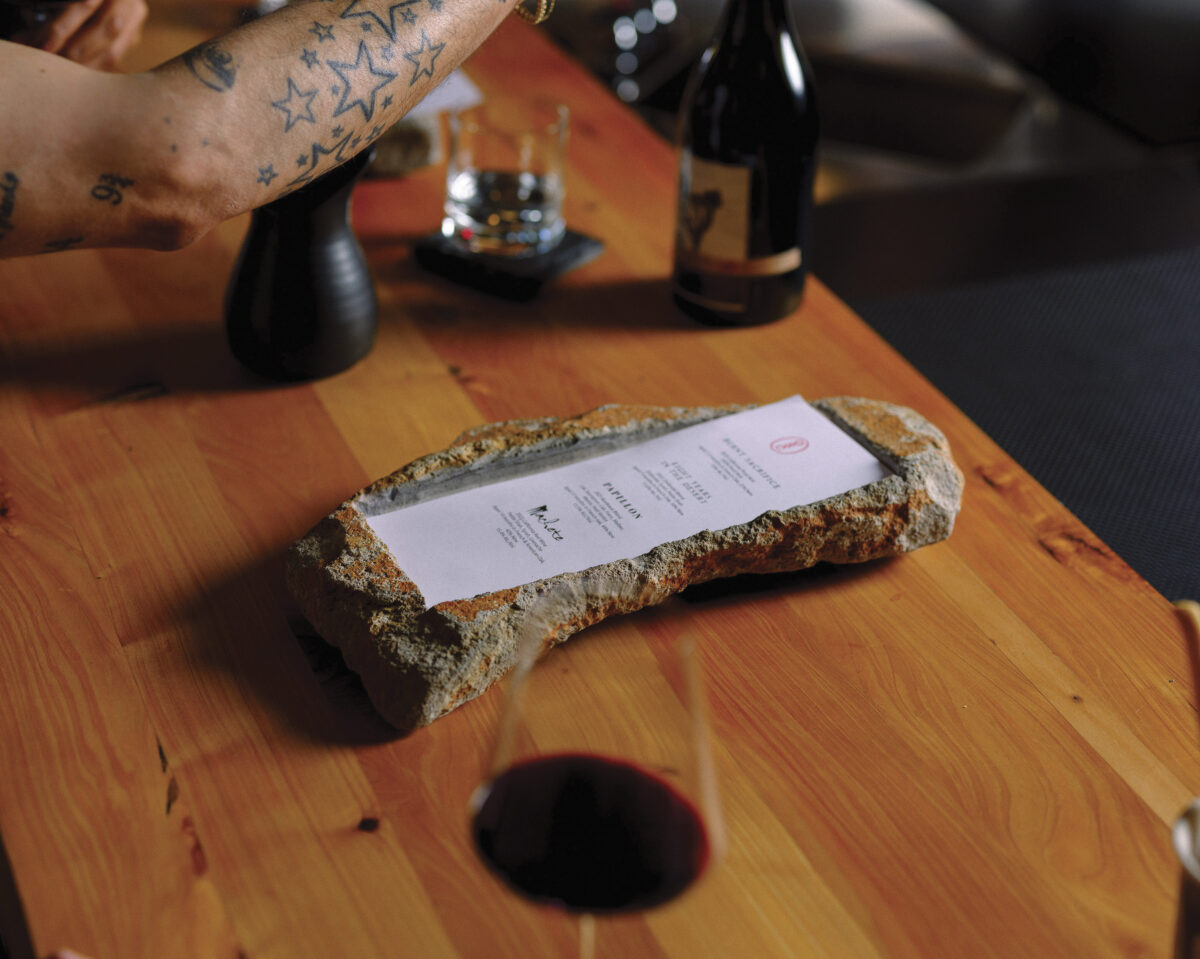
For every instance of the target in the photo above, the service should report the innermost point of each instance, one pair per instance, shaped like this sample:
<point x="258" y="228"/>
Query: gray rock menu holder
<point x="419" y="663"/>
<point x="300" y="302"/>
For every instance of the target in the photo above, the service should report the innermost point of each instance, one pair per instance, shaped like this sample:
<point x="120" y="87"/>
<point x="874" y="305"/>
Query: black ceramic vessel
<point x="300" y="303"/>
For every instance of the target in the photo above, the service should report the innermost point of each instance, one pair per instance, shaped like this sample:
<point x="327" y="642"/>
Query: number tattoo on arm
<point x="110" y="188"/>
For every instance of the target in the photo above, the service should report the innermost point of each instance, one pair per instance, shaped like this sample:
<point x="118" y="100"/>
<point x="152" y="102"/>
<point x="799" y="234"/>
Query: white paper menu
<point x="618" y="505"/>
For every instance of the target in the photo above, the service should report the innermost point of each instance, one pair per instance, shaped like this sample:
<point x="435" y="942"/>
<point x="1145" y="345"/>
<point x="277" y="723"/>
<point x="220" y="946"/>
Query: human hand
<point x="96" y="33"/>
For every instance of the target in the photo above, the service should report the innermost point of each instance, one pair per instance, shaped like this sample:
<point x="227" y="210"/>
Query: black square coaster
<point x="510" y="277"/>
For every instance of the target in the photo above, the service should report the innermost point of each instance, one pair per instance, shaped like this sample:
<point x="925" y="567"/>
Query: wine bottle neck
<point x="745" y="19"/>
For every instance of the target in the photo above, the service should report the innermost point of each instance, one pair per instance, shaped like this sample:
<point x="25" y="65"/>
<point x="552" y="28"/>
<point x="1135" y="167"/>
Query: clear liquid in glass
<point x="503" y="212"/>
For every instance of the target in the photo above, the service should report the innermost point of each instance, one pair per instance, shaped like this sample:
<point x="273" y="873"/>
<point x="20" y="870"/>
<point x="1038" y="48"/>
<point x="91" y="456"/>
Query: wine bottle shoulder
<point x="744" y="85"/>
<point x="727" y="117"/>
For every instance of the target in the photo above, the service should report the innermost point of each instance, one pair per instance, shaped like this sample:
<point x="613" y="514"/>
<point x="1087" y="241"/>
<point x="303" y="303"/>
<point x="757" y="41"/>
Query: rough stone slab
<point x="419" y="664"/>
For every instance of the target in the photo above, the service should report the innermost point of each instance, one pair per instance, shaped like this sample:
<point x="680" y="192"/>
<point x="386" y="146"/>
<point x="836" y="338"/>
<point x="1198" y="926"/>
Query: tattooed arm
<point x="157" y="159"/>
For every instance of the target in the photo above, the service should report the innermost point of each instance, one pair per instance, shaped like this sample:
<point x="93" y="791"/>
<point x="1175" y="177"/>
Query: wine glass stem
<point x="587" y="936"/>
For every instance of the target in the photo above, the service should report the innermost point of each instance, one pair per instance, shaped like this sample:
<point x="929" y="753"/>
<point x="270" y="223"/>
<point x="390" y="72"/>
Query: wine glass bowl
<point x="600" y="798"/>
<point x="590" y="834"/>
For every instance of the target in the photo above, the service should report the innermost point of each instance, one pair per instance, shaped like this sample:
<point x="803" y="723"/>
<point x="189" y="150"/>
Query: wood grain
<point x="975" y="750"/>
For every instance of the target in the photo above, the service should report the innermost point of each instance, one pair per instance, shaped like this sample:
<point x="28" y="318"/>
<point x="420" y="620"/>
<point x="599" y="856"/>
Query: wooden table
<point x="974" y="750"/>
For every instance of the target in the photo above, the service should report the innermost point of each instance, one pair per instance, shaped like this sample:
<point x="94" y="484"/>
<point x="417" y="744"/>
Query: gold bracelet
<point x="544" y="8"/>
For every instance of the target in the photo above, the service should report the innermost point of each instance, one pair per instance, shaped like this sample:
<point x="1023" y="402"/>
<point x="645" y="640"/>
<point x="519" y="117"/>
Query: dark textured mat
<point x="1090" y="378"/>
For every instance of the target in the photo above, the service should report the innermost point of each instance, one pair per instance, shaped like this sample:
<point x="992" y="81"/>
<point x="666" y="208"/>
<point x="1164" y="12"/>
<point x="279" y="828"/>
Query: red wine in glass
<point x="590" y="834"/>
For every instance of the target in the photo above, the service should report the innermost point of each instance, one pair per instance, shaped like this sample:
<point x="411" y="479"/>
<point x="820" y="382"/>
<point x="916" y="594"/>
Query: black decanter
<point x="300" y="303"/>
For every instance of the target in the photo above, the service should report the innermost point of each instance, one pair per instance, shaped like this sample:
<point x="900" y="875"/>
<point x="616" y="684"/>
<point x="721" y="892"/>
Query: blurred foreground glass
<point x="504" y="177"/>
<point x="601" y="798"/>
<point x="1186" y="836"/>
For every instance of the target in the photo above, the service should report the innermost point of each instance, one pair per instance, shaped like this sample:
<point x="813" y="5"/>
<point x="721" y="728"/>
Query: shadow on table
<point x="15" y="941"/>
<point x="126" y="365"/>
<point x="573" y="299"/>
<point x="123" y="366"/>
<point x="638" y="305"/>
<point x="248" y="629"/>
<point x="739" y="589"/>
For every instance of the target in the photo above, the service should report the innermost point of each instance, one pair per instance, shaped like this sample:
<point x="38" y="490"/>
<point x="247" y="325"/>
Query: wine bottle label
<point x="712" y="233"/>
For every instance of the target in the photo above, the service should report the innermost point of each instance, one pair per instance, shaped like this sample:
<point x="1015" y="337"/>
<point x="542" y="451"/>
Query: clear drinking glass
<point x="601" y="797"/>
<point x="504" y="177"/>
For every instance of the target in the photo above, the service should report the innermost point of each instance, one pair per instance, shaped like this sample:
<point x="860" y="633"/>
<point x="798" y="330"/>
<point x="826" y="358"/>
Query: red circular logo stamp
<point x="789" y="444"/>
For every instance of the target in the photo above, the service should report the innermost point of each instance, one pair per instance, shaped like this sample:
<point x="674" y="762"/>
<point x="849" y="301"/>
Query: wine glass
<point x="601" y="797"/>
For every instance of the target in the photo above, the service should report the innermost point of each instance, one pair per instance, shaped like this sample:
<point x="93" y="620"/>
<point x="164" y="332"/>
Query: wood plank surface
<point x="977" y="749"/>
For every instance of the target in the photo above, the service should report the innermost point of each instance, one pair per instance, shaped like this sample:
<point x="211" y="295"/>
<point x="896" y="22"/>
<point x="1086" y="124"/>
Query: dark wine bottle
<point x="748" y="131"/>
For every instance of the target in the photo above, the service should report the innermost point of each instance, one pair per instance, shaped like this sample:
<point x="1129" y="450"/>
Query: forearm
<point x="295" y="93"/>
<point x="158" y="158"/>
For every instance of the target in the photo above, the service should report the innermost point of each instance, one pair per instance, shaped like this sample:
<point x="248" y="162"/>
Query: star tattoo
<point x="266" y="174"/>
<point x="337" y="151"/>
<point x="321" y="31"/>
<point x="309" y="58"/>
<point x="297" y="105"/>
<point x="363" y="68"/>
<point x="401" y="9"/>
<point x="423" y="58"/>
